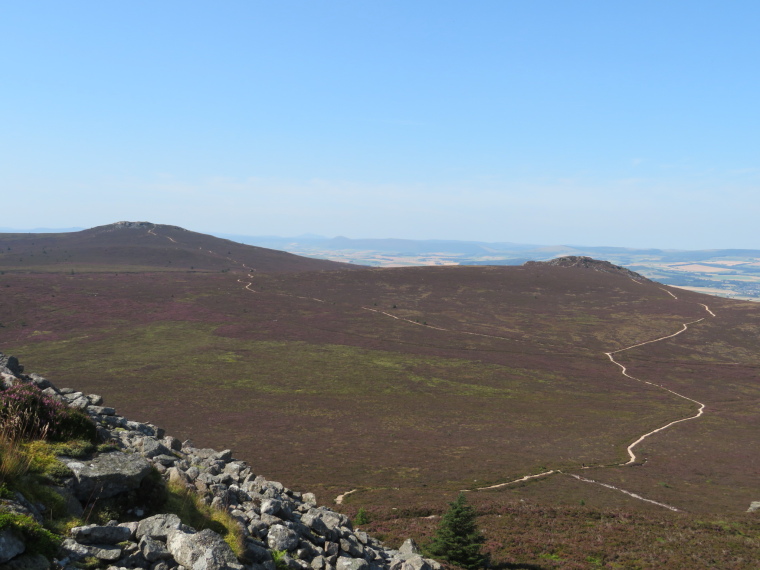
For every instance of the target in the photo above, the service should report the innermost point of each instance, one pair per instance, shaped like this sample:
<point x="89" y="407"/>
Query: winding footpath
<point x="624" y="371"/>
<point x="632" y="456"/>
<point x="439" y="328"/>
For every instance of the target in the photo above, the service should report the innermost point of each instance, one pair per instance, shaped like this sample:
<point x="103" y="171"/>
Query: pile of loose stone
<point x="275" y="521"/>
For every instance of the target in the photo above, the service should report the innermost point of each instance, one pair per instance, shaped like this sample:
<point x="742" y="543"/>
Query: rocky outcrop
<point x="107" y="475"/>
<point x="588" y="263"/>
<point x="276" y="523"/>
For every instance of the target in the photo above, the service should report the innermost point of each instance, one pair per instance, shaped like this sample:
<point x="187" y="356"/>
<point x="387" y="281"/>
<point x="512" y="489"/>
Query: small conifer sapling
<point x="458" y="539"/>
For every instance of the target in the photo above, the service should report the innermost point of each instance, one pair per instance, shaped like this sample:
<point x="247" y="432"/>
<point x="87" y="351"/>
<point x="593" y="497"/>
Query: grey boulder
<point x="28" y="562"/>
<point x="204" y="550"/>
<point x="408" y="549"/>
<point x="107" y="475"/>
<point x="158" y="526"/>
<point x="351" y="564"/>
<point x="94" y="534"/>
<point x="281" y="537"/>
<point x="73" y="549"/>
<point x="10" y="545"/>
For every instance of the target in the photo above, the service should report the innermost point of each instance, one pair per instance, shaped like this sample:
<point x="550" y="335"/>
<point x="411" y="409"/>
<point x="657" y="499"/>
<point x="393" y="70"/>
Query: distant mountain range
<point x="474" y="249"/>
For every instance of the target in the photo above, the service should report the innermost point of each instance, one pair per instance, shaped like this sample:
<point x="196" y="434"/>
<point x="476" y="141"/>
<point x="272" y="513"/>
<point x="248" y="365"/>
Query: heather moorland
<point x="407" y="385"/>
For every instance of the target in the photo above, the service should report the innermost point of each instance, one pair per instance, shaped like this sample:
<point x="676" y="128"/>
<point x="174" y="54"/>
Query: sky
<point x="584" y="122"/>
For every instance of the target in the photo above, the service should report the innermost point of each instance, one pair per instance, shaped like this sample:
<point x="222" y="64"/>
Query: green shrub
<point x="76" y="424"/>
<point x="278" y="557"/>
<point x="78" y="448"/>
<point x="45" y="464"/>
<point x="6" y="493"/>
<point x="37" y="539"/>
<point x="361" y="517"/>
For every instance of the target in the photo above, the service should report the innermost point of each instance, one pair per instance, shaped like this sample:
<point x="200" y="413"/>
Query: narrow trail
<point x="632" y="456"/>
<point x="151" y="232"/>
<point x="623" y="369"/>
<point x="339" y="498"/>
<point x="439" y="328"/>
<point x="629" y="493"/>
<point x="520" y="480"/>
<point x="247" y="286"/>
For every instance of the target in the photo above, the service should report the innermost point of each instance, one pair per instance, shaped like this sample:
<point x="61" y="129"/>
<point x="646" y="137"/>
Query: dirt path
<point x="629" y="449"/>
<point x="623" y="369"/>
<point x="247" y="286"/>
<point x="339" y="498"/>
<point x="634" y="495"/>
<point x="520" y="480"/>
<point x="438" y="328"/>
<point x="151" y="232"/>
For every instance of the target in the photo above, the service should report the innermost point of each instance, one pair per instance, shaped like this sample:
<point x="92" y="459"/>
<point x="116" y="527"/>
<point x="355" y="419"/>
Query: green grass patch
<point x="38" y="540"/>
<point x="195" y="354"/>
<point x="192" y="511"/>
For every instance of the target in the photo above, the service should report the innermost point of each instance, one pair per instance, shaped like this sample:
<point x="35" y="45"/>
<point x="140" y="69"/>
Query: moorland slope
<point x="410" y="384"/>
<point x="134" y="246"/>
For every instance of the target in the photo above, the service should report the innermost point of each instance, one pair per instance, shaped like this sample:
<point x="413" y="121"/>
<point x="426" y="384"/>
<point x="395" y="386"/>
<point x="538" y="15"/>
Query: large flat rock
<point x="107" y="475"/>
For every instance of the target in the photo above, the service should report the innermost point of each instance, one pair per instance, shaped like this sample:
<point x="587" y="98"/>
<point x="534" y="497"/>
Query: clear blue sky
<point x="580" y="122"/>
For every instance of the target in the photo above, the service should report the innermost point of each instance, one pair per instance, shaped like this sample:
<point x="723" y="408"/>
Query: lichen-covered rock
<point x="153" y="550"/>
<point x="107" y="475"/>
<point x="94" y="534"/>
<point x="72" y="549"/>
<point x="151" y="447"/>
<point x="352" y="547"/>
<point x="158" y="526"/>
<point x="281" y="537"/>
<point x="345" y="563"/>
<point x="413" y="562"/>
<point x="204" y="550"/>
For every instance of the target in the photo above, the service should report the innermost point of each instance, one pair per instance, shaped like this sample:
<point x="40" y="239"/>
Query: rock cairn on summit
<point x="589" y="263"/>
<point x="282" y="528"/>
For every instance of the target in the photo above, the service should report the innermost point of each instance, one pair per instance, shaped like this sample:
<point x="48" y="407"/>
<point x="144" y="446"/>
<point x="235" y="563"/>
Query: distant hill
<point x="725" y="272"/>
<point x="144" y="245"/>
<point x="39" y="230"/>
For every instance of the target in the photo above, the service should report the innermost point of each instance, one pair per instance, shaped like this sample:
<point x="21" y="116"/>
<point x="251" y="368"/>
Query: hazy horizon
<point x="309" y="236"/>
